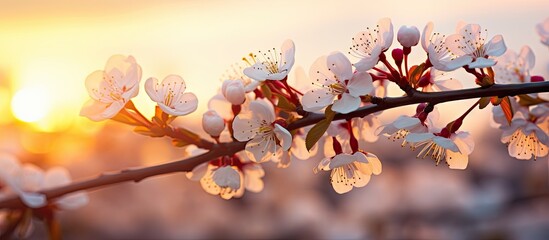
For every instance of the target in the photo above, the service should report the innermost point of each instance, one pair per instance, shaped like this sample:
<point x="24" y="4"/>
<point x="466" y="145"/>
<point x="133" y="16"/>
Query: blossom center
<point x="337" y="88"/>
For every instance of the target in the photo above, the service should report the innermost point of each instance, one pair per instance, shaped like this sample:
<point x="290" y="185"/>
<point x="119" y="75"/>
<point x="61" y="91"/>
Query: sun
<point x="30" y="104"/>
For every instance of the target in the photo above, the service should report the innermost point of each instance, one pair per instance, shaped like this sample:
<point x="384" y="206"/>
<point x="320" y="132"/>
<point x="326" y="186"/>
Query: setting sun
<point x="30" y="104"/>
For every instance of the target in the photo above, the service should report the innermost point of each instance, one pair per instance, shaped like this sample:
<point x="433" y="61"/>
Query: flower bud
<point x="398" y="55"/>
<point x="233" y="91"/>
<point x="408" y="36"/>
<point x="212" y="123"/>
<point x="536" y="79"/>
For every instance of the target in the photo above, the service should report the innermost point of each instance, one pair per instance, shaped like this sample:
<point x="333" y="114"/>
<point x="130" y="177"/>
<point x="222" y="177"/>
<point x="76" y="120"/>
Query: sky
<point x="49" y="49"/>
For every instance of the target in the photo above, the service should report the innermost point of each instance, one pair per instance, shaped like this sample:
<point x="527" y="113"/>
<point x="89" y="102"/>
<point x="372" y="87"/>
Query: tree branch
<point x="222" y="149"/>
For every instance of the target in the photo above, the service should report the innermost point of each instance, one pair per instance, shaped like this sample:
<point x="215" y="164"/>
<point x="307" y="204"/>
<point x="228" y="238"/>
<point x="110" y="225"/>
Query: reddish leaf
<point x="507" y="109"/>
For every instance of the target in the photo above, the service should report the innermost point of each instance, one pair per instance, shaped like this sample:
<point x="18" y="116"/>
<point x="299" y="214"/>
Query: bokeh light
<point x="31" y="104"/>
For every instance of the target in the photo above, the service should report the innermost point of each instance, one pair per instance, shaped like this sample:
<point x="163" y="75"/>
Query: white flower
<point x="404" y="125"/>
<point x="543" y="31"/>
<point x="271" y="65"/>
<point x="454" y="149"/>
<point x="439" y="54"/>
<point x="212" y="123"/>
<point x="527" y="134"/>
<point x="112" y="88"/>
<point x="27" y="180"/>
<point x="170" y="95"/>
<point x="229" y="181"/>
<point x="408" y="36"/>
<point x="369" y="44"/>
<point x="265" y="136"/>
<point x="513" y="68"/>
<point x="335" y="76"/>
<point x="436" y="80"/>
<point x="348" y="171"/>
<point x="11" y="176"/>
<point x="470" y="40"/>
<point x="401" y="127"/>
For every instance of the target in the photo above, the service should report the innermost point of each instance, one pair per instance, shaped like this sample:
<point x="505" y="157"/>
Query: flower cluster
<point x="26" y="181"/>
<point x="257" y="105"/>
<point x="263" y="114"/>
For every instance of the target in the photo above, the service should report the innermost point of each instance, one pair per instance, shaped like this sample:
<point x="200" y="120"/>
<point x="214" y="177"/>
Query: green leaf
<point x="285" y="104"/>
<point x="319" y="129"/>
<point x="483" y="102"/>
<point x="266" y="91"/>
<point x="507" y="109"/>
<point x="316" y="133"/>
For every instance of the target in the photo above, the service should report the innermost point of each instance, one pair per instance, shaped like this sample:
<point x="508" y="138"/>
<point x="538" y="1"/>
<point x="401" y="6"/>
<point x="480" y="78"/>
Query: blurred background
<point x="48" y="49"/>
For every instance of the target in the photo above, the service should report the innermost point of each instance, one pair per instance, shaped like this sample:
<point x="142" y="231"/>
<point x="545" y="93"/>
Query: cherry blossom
<point x="440" y="56"/>
<point x="350" y="170"/>
<point x="454" y="148"/>
<point x="436" y="81"/>
<point x="335" y="77"/>
<point x="271" y="65"/>
<point x="170" y="95"/>
<point x="527" y="134"/>
<point x="369" y="44"/>
<point x="513" y="67"/>
<point x="11" y="173"/>
<point x="26" y="180"/>
<point x="543" y="31"/>
<point x="404" y="125"/>
<point x="470" y="40"/>
<point x="228" y="181"/>
<point x="112" y="88"/>
<point x="266" y="138"/>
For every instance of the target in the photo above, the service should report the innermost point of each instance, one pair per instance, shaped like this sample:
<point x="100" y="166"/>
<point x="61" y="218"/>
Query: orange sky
<point x="53" y="47"/>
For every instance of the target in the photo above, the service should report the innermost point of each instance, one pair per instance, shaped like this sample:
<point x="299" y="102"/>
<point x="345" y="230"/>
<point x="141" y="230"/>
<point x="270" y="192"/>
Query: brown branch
<point x="222" y="149"/>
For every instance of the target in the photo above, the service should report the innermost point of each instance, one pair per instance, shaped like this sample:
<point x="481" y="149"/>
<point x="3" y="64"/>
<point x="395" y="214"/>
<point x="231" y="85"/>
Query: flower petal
<point x="256" y="72"/>
<point x="262" y="110"/>
<point x="261" y="149"/>
<point x="360" y="84"/>
<point x="346" y="104"/>
<point x="482" y="63"/>
<point x="317" y="99"/>
<point x="457" y="160"/>
<point x="495" y="47"/>
<point x="151" y="88"/>
<point x="245" y="128"/>
<point x="340" y="65"/>
<point x="419" y="137"/>
<point x="284" y="136"/>
<point x="426" y="35"/>
<point x="446" y="143"/>
<point x="188" y="102"/>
